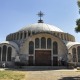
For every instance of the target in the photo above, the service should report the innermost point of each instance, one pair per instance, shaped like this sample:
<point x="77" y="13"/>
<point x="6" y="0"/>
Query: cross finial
<point x="40" y="14"/>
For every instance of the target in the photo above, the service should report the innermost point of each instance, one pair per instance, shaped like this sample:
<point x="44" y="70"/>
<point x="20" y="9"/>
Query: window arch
<point x="74" y="54"/>
<point x="29" y="33"/>
<point x="78" y="52"/>
<point x="9" y="54"/>
<point x="43" y="42"/>
<point x="33" y="32"/>
<point x="31" y="47"/>
<point x="4" y="53"/>
<point x="58" y="34"/>
<point x="49" y="43"/>
<point x="53" y="33"/>
<point x="55" y="47"/>
<point x="37" y="43"/>
<point x="0" y="53"/>
<point x="14" y="36"/>
<point x="21" y="35"/>
<point x="17" y="36"/>
<point x="25" y="35"/>
<point x="61" y="36"/>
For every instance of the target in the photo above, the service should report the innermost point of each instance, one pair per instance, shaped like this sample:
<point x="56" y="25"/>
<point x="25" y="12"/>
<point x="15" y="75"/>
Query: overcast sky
<point x="15" y="14"/>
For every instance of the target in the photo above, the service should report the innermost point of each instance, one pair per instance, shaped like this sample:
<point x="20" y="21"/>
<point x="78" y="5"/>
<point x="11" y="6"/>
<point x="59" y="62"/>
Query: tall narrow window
<point x="17" y="36"/>
<point x="58" y="34"/>
<point x="65" y="37"/>
<point x="43" y="43"/>
<point x="21" y="35"/>
<point x="14" y="36"/>
<point x="49" y="43"/>
<point x="55" y="48"/>
<point x="9" y="54"/>
<point x="78" y="52"/>
<point x="61" y="36"/>
<point x="4" y="53"/>
<point x="33" y="32"/>
<point x="0" y="53"/>
<point x="24" y="35"/>
<point x="29" y="33"/>
<point x="37" y="43"/>
<point x="31" y="47"/>
<point x="74" y="54"/>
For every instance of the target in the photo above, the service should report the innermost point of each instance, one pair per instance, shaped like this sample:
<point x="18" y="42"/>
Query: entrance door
<point x="55" y="61"/>
<point x="42" y="58"/>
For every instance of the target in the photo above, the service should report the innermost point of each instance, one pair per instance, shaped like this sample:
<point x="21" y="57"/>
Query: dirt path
<point x="52" y="75"/>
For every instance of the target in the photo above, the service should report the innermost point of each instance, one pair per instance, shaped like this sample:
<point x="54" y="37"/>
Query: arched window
<point x="61" y="36"/>
<point x="43" y="43"/>
<point x="74" y="54"/>
<point x="55" y="48"/>
<point x="58" y="34"/>
<point x="4" y="53"/>
<point x="33" y="32"/>
<point x="29" y="33"/>
<point x="37" y="43"/>
<point x="49" y="43"/>
<point x="53" y="33"/>
<point x="78" y="52"/>
<point x="11" y="36"/>
<point x="14" y="36"/>
<point x="9" y="54"/>
<point x="25" y="35"/>
<point x="0" y="53"/>
<point x="21" y="35"/>
<point x="31" y="47"/>
<point x="17" y="36"/>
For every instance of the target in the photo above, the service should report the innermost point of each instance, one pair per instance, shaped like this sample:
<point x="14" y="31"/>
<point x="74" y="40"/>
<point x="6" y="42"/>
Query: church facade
<point x="40" y="44"/>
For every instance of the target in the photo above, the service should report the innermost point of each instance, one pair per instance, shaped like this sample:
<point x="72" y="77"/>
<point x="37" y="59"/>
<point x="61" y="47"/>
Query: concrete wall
<point x="62" y="49"/>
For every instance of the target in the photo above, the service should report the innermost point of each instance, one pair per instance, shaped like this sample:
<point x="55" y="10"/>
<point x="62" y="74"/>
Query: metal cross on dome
<point x="40" y="14"/>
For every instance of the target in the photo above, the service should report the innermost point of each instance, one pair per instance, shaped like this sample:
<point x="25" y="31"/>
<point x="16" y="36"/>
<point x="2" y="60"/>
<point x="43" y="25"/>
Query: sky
<point x="15" y="14"/>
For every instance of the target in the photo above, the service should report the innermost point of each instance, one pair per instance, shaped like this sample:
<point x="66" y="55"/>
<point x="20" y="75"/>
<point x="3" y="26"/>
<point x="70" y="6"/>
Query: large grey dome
<point x="40" y="27"/>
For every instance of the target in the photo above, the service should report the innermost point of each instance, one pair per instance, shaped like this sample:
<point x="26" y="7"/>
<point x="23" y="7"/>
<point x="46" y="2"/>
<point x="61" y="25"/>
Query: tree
<point x="77" y="29"/>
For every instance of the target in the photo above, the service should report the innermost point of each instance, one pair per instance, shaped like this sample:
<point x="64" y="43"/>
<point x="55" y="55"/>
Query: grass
<point x="12" y="75"/>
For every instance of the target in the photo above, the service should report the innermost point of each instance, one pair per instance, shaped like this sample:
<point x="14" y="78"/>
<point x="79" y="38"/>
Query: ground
<point x="39" y="74"/>
<point x="53" y="75"/>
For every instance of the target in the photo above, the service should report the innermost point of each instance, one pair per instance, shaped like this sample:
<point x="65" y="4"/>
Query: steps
<point x="33" y="68"/>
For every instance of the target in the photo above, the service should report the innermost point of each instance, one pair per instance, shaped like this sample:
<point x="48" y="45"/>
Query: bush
<point x="19" y="64"/>
<point x="78" y="68"/>
<point x="71" y="65"/>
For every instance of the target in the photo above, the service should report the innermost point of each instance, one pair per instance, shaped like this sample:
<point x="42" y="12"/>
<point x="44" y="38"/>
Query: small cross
<point x="40" y="14"/>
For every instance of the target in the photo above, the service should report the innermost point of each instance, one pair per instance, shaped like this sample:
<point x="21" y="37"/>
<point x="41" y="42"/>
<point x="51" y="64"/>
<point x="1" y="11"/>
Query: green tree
<point x="77" y="29"/>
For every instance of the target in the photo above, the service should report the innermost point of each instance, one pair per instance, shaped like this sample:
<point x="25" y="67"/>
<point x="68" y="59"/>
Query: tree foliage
<point x="77" y="29"/>
<point x="78" y="2"/>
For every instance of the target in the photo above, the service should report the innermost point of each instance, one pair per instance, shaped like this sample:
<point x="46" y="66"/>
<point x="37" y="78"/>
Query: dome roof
<point x="11" y="43"/>
<point x="70" y="44"/>
<point x="38" y="27"/>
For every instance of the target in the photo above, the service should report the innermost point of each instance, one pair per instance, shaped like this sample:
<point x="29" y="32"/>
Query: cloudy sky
<point x="15" y="14"/>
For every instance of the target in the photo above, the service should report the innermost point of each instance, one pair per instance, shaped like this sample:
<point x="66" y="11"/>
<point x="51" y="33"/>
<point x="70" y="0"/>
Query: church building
<point x="40" y="44"/>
